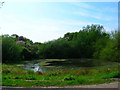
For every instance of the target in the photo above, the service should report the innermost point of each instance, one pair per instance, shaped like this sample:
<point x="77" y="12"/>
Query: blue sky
<point x="44" y="21"/>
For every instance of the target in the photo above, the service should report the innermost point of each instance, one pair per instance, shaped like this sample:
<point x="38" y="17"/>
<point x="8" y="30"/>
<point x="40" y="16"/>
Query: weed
<point x="14" y="76"/>
<point x="30" y="72"/>
<point x="19" y="72"/>
<point x="6" y="71"/>
<point x="31" y="78"/>
<point x="39" y="73"/>
<point x="69" y="77"/>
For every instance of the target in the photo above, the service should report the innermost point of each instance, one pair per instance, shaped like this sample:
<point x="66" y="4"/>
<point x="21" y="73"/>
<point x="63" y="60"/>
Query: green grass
<point x="15" y="76"/>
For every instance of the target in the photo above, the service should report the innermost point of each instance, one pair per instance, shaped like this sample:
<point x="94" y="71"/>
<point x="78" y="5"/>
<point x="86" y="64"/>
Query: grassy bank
<point x="13" y="75"/>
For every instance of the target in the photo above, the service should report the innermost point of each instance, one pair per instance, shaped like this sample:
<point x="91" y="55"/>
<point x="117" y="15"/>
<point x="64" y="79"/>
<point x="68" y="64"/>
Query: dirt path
<point x="105" y="85"/>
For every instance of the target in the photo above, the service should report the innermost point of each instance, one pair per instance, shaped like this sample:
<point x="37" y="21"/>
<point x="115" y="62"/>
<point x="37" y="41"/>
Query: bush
<point x="11" y="52"/>
<point x="69" y="77"/>
<point x="111" y="51"/>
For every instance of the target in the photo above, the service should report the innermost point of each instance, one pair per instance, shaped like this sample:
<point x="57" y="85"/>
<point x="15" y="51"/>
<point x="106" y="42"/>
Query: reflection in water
<point x="35" y="66"/>
<point x="49" y="65"/>
<point x="37" y="69"/>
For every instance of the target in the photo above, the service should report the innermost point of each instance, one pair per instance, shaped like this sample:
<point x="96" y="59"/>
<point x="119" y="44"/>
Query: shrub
<point x="11" y="52"/>
<point x="69" y="77"/>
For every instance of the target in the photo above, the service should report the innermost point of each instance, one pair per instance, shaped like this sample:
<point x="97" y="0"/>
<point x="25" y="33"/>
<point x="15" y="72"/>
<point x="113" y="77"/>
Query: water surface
<point x="45" y="65"/>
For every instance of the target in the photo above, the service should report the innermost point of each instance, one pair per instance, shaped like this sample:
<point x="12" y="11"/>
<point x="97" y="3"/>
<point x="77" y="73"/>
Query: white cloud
<point x="109" y="30"/>
<point x="84" y="5"/>
<point x="29" y="30"/>
<point x="87" y="14"/>
<point x="94" y="15"/>
<point x="39" y="30"/>
<point x="88" y="10"/>
<point x="44" y="29"/>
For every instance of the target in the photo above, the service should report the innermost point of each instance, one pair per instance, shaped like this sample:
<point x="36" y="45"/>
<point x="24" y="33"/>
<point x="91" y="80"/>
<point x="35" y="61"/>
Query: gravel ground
<point x="105" y="85"/>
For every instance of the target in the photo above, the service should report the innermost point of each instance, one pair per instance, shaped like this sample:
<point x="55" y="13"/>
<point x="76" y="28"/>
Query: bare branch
<point x="1" y="4"/>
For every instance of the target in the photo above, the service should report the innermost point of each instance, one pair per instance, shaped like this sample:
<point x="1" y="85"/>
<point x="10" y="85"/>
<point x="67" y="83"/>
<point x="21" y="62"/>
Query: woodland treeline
<point x="91" y="42"/>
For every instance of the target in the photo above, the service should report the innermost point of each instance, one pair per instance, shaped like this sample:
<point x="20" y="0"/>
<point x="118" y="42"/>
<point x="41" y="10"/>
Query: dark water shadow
<point x="74" y="62"/>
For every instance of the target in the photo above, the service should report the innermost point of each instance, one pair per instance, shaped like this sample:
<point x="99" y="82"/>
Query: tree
<point x="10" y="50"/>
<point x="111" y="50"/>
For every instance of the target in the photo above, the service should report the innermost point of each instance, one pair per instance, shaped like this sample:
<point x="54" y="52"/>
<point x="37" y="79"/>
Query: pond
<point x="44" y="65"/>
